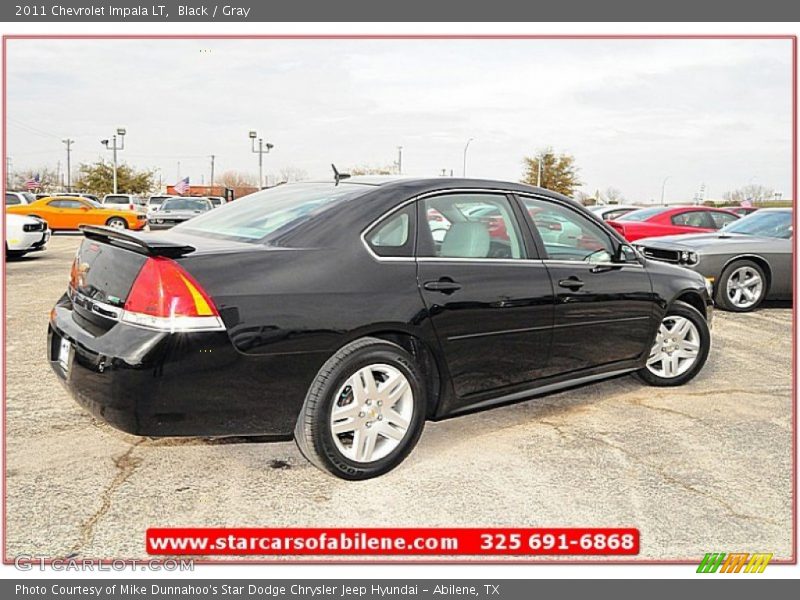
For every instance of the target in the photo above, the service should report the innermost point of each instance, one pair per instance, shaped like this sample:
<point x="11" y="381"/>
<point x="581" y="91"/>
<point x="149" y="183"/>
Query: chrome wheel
<point x="117" y="224"/>
<point x="371" y="413"/>
<point x="676" y="347"/>
<point x="744" y="287"/>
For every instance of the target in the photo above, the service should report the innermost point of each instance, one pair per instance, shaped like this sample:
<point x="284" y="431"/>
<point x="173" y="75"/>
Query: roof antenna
<point x="338" y="176"/>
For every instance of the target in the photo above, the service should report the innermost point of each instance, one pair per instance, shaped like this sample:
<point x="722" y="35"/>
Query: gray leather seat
<point x="466" y="240"/>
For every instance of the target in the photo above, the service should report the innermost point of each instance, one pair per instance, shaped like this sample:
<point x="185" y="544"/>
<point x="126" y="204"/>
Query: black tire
<point x="117" y="220"/>
<point x="313" y="430"/>
<point x="681" y="309"/>
<point x="721" y="297"/>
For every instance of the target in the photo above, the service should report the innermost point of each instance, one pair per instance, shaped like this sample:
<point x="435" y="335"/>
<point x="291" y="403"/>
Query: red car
<point x="671" y="220"/>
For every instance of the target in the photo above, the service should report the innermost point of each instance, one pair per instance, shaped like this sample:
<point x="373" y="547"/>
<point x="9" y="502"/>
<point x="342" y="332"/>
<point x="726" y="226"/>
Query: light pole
<point x="121" y="133"/>
<point x="399" y="160"/>
<point x="539" y="170"/>
<point x="261" y="152"/>
<point x="464" y="172"/>
<point x="663" y="187"/>
<point x="69" y="143"/>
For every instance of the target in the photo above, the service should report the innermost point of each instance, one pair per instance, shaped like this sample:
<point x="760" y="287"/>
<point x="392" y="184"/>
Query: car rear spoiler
<point x="136" y="243"/>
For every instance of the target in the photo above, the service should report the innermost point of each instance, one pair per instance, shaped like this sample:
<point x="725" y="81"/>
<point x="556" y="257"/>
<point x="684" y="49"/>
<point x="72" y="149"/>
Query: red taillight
<point x="165" y="296"/>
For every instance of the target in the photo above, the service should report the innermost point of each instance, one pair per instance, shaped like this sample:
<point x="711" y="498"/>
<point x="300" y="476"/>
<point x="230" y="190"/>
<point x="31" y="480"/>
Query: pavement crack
<point x="680" y="483"/>
<point x="672" y="411"/>
<point x="126" y="465"/>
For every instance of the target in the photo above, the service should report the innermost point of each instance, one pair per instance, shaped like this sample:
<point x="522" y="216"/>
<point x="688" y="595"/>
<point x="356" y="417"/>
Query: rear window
<point x="12" y="199"/>
<point x="256" y="216"/>
<point x="185" y="204"/>
<point x="117" y="200"/>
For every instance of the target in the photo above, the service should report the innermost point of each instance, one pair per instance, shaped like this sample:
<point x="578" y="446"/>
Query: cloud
<point x="631" y="111"/>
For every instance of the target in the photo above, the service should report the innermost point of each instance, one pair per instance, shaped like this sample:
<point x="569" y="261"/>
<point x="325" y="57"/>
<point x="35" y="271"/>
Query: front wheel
<point x="680" y="349"/>
<point x="117" y="223"/>
<point x="364" y="412"/>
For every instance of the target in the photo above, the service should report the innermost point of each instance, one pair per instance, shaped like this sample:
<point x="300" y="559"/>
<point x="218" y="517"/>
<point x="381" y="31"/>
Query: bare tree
<point x="752" y="192"/>
<point x="289" y="174"/>
<point x="614" y="196"/>
<point x="236" y="179"/>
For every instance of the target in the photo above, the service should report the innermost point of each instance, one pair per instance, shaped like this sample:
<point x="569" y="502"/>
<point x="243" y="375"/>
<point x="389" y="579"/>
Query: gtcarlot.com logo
<point x="734" y="562"/>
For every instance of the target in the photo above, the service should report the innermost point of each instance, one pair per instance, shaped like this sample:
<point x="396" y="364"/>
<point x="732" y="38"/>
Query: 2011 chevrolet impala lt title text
<point x="347" y="313"/>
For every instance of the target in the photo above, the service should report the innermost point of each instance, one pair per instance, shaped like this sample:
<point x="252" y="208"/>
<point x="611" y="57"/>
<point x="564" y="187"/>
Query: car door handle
<point x="444" y="285"/>
<point x="572" y="283"/>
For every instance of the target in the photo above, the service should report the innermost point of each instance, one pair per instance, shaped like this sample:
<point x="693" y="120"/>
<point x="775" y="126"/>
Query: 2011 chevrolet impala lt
<point x="332" y="312"/>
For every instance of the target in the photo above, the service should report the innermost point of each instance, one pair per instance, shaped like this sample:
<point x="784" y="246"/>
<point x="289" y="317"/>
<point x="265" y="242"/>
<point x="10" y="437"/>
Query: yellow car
<point x="70" y="212"/>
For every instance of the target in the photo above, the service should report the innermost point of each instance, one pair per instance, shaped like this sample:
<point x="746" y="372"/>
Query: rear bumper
<point x="158" y="384"/>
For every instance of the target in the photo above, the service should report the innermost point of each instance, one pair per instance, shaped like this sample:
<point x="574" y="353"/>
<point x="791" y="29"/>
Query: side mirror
<point x="625" y="254"/>
<point x="84" y="208"/>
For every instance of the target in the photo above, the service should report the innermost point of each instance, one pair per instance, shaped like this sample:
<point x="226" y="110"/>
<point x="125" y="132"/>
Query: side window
<point x="468" y="225"/>
<point x="58" y="203"/>
<point x="721" y="219"/>
<point x="567" y="234"/>
<point x="693" y="218"/>
<point x="393" y="235"/>
<point x="12" y="199"/>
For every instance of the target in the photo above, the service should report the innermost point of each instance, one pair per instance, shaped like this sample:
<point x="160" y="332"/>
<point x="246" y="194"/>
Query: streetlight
<point x="465" y="156"/>
<point x="663" y="187"/>
<point x="261" y="152"/>
<point x="121" y="134"/>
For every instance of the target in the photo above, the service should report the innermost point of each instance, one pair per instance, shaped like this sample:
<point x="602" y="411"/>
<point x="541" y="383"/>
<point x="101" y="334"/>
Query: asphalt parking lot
<point x="702" y="468"/>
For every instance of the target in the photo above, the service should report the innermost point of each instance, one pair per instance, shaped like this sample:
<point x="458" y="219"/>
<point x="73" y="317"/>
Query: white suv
<point x="14" y="198"/>
<point x="125" y="202"/>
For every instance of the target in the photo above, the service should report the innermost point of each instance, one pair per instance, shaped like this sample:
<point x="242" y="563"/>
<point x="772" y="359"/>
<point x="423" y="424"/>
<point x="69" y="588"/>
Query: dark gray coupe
<point x="176" y="210"/>
<point x="747" y="261"/>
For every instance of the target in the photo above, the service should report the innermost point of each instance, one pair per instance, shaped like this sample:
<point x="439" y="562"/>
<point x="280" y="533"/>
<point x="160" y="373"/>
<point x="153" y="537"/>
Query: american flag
<point x="33" y="183"/>
<point x="182" y="186"/>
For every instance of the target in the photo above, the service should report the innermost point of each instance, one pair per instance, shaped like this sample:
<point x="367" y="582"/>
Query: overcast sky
<point x="632" y="112"/>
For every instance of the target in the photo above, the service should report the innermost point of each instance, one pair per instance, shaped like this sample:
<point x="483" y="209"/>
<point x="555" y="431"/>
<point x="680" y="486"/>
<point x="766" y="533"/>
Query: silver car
<point x="747" y="261"/>
<point x="177" y="210"/>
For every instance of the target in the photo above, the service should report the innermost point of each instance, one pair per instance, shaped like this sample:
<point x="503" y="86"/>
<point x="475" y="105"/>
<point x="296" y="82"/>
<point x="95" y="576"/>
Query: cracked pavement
<point x="701" y="468"/>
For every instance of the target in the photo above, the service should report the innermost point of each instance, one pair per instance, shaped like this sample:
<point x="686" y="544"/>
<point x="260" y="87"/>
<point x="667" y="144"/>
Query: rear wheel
<point x="742" y="286"/>
<point x="364" y="411"/>
<point x="117" y="223"/>
<point x="680" y="349"/>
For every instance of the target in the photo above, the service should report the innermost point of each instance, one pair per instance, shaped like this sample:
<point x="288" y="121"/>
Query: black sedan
<point x="329" y="312"/>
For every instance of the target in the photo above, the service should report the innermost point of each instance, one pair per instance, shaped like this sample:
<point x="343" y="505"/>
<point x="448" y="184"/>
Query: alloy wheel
<point x="116" y="224"/>
<point x="676" y="347"/>
<point x="744" y="287"/>
<point x="371" y="413"/>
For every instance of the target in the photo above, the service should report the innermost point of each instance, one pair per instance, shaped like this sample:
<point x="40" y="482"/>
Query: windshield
<point x="763" y="223"/>
<point x="642" y="214"/>
<point x="185" y="204"/>
<point x="157" y="200"/>
<point x="258" y="215"/>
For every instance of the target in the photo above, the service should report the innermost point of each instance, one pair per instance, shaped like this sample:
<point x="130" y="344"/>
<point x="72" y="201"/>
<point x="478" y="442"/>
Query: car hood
<point x="704" y="241"/>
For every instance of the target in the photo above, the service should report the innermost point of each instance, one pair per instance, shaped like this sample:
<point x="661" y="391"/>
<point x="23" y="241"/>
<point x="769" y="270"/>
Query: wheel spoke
<point x="393" y="433"/>
<point x="348" y="411"/>
<point x="395" y="418"/>
<point x="395" y="391"/>
<point x="343" y="426"/>
<point x="364" y="444"/>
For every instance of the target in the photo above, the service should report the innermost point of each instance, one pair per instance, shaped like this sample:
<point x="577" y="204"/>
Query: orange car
<point x="70" y="212"/>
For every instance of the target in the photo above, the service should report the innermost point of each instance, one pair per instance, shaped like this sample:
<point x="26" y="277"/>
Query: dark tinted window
<point x="12" y="199"/>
